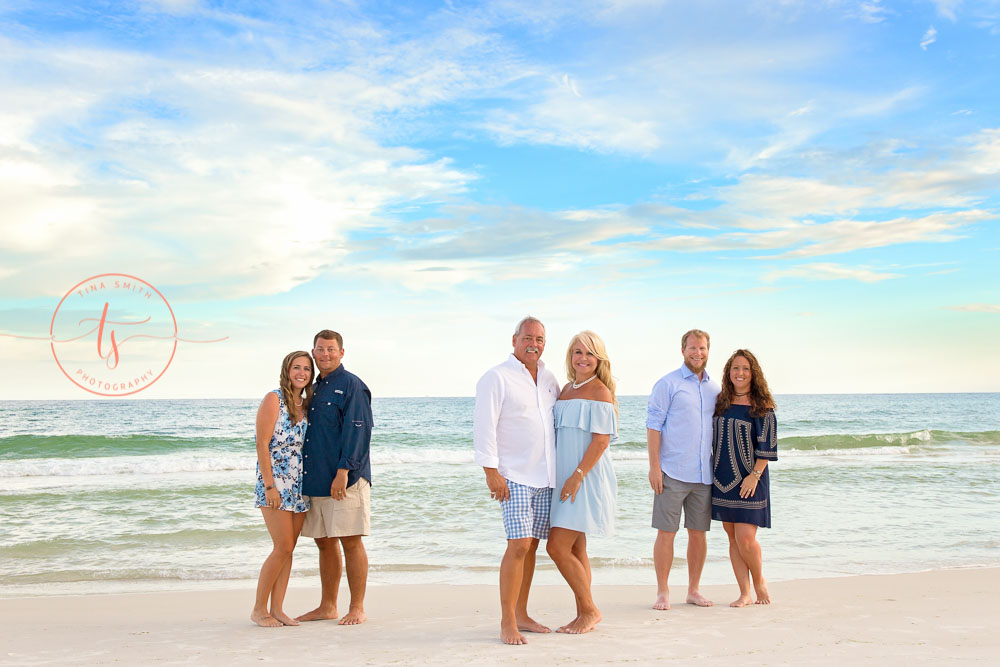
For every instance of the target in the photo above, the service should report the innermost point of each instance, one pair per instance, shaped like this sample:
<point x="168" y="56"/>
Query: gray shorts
<point x="696" y="499"/>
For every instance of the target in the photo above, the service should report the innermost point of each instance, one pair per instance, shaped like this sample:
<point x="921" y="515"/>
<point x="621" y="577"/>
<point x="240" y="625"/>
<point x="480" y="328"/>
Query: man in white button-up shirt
<point x="514" y="437"/>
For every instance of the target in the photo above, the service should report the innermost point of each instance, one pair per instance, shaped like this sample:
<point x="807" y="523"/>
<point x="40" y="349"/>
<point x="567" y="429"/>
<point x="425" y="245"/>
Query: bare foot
<point x="562" y="628"/>
<point x="264" y="620"/>
<point x="319" y="614"/>
<point x="510" y="635"/>
<point x="662" y="601"/>
<point x="284" y="618"/>
<point x="763" y="597"/>
<point x="354" y="617"/>
<point x="582" y="623"/>
<point x="698" y="599"/>
<point x="742" y="601"/>
<point x="528" y="624"/>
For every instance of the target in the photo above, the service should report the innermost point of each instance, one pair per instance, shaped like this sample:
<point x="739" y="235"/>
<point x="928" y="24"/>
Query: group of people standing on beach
<point x="544" y="450"/>
<point x="545" y="454"/>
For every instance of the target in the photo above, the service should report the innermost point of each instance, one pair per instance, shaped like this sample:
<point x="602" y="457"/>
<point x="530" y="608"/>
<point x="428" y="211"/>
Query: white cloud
<point x="977" y="308"/>
<point x="947" y="8"/>
<point x="830" y="271"/>
<point x="254" y="200"/>
<point x="929" y="38"/>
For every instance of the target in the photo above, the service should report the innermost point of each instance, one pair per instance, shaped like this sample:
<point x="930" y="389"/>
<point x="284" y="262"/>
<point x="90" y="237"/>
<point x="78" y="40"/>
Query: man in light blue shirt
<point x="679" y="437"/>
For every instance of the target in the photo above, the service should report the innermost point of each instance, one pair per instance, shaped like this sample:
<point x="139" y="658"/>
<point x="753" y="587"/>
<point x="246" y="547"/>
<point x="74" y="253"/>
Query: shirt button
<point x="328" y="404"/>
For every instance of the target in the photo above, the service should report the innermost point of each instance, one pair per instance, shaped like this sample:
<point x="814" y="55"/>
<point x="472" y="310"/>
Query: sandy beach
<point x="943" y="616"/>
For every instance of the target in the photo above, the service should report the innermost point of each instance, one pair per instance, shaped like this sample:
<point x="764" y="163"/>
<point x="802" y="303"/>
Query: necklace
<point x="741" y="395"/>
<point x="577" y="385"/>
<point x="299" y="404"/>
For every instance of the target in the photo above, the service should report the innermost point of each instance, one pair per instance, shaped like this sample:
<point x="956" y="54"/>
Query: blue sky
<point x="818" y="181"/>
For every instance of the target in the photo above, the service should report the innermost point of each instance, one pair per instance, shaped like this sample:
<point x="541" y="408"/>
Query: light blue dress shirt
<point x="681" y="408"/>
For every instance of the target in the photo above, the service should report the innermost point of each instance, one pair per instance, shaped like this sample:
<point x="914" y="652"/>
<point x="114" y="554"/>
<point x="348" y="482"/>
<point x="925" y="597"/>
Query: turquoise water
<point x="143" y="495"/>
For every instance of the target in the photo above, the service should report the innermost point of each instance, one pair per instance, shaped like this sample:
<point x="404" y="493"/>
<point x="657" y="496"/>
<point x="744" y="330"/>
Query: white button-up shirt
<point x="513" y="429"/>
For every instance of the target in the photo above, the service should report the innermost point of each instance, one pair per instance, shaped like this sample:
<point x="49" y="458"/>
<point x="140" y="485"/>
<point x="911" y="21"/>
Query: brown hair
<point x="593" y="343"/>
<point x="326" y="334"/>
<point x="760" y="395"/>
<point x="696" y="332"/>
<point x="287" y="393"/>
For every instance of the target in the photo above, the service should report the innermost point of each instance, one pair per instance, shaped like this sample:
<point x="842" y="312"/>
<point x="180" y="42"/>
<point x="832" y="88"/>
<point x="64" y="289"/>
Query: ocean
<point x="138" y="495"/>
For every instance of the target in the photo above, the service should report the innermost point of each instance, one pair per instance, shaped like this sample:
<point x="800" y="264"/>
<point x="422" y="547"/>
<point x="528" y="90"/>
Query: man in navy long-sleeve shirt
<point x="337" y="478"/>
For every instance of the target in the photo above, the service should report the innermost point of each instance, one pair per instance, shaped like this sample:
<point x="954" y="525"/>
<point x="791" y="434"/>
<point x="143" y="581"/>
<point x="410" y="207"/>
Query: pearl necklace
<point x="577" y="386"/>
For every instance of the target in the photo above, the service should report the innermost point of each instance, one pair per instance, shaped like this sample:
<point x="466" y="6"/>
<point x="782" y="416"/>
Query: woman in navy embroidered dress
<point x="281" y="429"/>
<point x="586" y="419"/>
<point x="745" y="439"/>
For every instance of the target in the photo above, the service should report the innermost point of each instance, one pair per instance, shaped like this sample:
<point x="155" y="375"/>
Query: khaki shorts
<point x="340" y="518"/>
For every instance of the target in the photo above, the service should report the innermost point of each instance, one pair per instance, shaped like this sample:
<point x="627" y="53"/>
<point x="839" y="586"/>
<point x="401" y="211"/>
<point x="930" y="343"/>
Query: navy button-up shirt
<point x="339" y="433"/>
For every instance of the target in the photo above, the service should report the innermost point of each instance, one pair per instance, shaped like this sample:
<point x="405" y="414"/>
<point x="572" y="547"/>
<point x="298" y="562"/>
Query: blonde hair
<point x="285" y="382"/>
<point x="593" y="343"/>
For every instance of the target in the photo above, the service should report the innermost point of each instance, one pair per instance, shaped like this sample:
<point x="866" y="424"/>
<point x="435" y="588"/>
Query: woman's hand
<point x="571" y="488"/>
<point x="749" y="485"/>
<point x="273" y="498"/>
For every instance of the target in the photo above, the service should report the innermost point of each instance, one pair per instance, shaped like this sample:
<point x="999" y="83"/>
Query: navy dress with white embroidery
<point x="739" y="440"/>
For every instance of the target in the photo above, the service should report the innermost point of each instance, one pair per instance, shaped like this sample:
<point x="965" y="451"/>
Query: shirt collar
<point x="687" y="372"/>
<point x="334" y="372"/>
<point x="514" y="361"/>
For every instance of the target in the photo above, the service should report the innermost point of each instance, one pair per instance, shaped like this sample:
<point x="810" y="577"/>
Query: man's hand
<point x="656" y="480"/>
<point x="497" y="484"/>
<point x="338" y="490"/>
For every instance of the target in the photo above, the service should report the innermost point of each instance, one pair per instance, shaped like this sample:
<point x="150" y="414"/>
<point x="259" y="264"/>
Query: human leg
<point x="697" y="521"/>
<point x="561" y="548"/>
<point x="663" y="558"/>
<point x="750" y="551"/>
<point x="280" y="527"/>
<point x="511" y="576"/>
<point x="281" y="583"/>
<point x="356" y="563"/>
<point x="330" y="570"/>
<point x="524" y="622"/>
<point x="667" y="520"/>
<point x="740" y="568"/>
<point x="696" y="552"/>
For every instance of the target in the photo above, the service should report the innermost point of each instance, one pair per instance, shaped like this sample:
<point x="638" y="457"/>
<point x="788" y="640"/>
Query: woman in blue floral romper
<point x="281" y="429"/>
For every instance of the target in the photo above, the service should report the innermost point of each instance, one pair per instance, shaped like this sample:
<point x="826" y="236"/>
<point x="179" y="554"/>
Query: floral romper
<point x="286" y="461"/>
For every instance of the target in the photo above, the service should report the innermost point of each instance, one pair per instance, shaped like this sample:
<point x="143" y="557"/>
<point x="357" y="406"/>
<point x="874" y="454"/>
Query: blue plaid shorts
<point x="526" y="513"/>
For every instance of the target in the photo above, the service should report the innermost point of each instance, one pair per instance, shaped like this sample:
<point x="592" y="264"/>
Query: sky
<point x="817" y="181"/>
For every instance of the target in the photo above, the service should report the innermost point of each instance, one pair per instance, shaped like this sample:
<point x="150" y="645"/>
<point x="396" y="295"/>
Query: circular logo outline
<point x="52" y="342"/>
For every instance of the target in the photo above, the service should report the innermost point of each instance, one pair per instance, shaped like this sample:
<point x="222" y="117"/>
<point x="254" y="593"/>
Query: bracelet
<point x="582" y="474"/>
<point x="269" y="487"/>
<point x="756" y="473"/>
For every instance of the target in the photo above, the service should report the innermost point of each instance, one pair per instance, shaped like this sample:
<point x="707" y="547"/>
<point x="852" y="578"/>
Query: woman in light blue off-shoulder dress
<point x="586" y="419"/>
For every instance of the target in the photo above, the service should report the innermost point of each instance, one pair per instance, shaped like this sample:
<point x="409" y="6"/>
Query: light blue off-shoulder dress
<point x="593" y="511"/>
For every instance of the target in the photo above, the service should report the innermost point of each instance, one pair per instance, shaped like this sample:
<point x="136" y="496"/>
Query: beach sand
<point x="946" y="616"/>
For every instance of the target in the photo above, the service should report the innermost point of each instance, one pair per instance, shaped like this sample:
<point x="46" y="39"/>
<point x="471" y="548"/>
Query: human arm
<point x="356" y="435"/>
<point x="656" y="417"/>
<point x="497" y="484"/>
<point x="489" y="399"/>
<point x="765" y="436"/>
<point x="653" y="447"/>
<point x="598" y="443"/>
<point x="749" y="485"/>
<point x="267" y="417"/>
